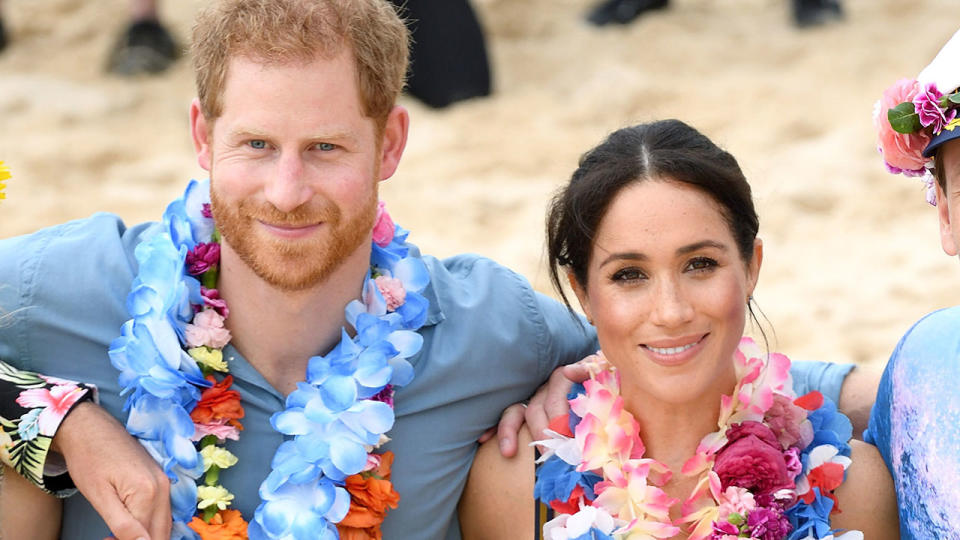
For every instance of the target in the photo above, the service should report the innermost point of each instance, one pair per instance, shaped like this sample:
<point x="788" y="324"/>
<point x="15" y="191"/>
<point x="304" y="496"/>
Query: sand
<point x="852" y="254"/>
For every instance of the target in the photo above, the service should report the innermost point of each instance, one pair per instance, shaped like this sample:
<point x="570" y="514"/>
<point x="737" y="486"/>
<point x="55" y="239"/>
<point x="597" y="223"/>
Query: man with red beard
<point x="297" y="123"/>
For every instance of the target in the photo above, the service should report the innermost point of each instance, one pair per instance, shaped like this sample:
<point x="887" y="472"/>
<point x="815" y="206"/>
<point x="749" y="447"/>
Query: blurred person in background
<point x="448" y="54"/>
<point x="144" y="47"/>
<point x="805" y="12"/>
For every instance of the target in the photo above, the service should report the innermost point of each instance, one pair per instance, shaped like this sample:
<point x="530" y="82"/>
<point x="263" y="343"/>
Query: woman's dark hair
<point x="668" y="150"/>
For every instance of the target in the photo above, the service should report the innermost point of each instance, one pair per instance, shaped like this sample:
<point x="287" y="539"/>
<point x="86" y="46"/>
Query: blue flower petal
<point x="413" y="273"/>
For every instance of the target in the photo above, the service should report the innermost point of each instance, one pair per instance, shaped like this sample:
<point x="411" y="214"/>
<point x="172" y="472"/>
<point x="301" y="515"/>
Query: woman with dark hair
<point x="685" y="428"/>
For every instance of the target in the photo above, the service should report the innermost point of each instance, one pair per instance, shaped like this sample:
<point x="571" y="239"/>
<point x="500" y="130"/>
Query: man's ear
<point x="581" y="293"/>
<point x="947" y="240"/>
<point x="393" y="141"/>
<point x="200" y="132"/>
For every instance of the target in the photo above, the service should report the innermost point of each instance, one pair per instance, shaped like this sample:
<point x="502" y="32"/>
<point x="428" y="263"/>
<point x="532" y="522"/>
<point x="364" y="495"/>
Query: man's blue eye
<point x="258" y="144"/>
<point x="325" y="146"/>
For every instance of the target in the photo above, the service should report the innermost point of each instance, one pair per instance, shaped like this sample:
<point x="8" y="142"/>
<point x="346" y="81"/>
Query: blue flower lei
<point x="335" y="417"/>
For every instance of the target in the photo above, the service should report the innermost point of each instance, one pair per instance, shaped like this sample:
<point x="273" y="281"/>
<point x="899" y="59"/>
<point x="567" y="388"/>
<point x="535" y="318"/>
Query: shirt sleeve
<point x="31" y="409"/>
<point x="826" y="377"/>
<point x="567" y="335"/>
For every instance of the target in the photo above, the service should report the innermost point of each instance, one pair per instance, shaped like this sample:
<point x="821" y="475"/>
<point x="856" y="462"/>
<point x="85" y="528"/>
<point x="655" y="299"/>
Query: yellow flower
<point x="213" y="495"/>
<point x="212" y="358"/>
<point x="214" y="455"/>
<point x="949" y="127"/>
<point x="4" y="175"/>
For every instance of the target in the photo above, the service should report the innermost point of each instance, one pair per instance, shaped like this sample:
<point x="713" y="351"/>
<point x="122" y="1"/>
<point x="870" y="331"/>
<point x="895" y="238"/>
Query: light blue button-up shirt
<point x="489" y="341"/>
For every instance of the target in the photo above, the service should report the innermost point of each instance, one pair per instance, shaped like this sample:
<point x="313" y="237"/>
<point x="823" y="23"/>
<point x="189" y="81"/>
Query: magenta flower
<point x="206" y="211"/>
<point x="927" y="105"/>
<point x="385" y="395"/>
<point x="723" y="530"/>
<point x="202" y="257"/>
<point x="211" y="298"/>
<point x="768" y="523"/>
<point x="383" y="226"/>
<point x="753" y="459"/>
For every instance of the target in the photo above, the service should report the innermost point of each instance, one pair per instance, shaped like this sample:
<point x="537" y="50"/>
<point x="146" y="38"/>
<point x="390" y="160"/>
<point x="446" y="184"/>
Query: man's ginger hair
<point x="285" y="31"/>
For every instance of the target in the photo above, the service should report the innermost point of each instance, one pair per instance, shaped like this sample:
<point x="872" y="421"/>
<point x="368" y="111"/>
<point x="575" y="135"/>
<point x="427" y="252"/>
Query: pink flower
<point x="56" y="401"/>
<point x="627" y="492"/>
<point x="735" y="500"/>
<point x="392" y="291"/>
<point x="207" y="330"/>
<point x="206" y="211"/>
<point x="211" y="298"/>
<point x="373" y="461"/>
<point x="383" y="227"/>
<point x="789" y="422"/>
<point x="220" y="429"/>
<point x="792" y="458"/>
<point x="202" y="257"/>
<point x="901" y="151"/>
<point x="927" y="104"/>
<point x="752" y="459"/>
<point x="606" y="431"/>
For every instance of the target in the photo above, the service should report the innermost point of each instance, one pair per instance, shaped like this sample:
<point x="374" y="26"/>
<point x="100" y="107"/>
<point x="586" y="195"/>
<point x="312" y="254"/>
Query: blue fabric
<point x="489" y="341"/>
<point x="915" y="422"/>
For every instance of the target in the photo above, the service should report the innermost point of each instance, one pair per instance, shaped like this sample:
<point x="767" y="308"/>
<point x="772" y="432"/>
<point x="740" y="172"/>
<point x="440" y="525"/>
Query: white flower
<point x="564" y="447"/>
<point x="566" y="527"/>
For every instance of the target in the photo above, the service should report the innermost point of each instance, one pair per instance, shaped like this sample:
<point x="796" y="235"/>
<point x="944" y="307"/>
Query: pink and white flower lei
<point x="606" y="441"/>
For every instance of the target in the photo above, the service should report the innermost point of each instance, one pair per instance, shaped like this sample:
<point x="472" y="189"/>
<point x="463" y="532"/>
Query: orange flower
<point x="225" y="525"/>
<point x="218" y="403"/>
<point x="371" y="494"/>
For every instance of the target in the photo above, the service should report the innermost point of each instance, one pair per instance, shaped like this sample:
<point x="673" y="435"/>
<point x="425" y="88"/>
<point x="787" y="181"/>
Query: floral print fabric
<point x="32" y="407"/>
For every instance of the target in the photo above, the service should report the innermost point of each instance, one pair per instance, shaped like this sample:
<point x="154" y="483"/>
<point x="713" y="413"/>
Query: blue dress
<point x="915" y="423"/>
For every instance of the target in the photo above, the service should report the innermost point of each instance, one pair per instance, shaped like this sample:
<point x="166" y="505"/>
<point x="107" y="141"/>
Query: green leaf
<point x="904" y="118"/>
<point x="954" y="98"/>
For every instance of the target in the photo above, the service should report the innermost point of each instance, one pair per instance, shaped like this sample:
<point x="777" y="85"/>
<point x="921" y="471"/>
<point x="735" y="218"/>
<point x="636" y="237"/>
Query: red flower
<point x="218" y="403"/>
<point x="827" y="477"/>
<point x="752" y="459"/>
<point x="371" y="494"/>
<point x="572" y="505"/>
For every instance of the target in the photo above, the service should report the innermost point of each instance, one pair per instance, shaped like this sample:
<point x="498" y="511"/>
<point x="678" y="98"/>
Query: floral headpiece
<point x="915" y="116"/>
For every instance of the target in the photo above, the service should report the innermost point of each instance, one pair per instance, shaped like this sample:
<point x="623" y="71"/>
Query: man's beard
<point x="292" y="265"/>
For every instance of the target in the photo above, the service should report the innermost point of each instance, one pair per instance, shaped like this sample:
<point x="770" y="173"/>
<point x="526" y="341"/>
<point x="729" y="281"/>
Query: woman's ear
<point x="581" y="293"/>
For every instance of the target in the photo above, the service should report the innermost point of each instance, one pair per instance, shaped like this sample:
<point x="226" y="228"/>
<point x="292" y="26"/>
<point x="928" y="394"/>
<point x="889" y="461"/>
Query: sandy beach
<point x="852" y="255"/>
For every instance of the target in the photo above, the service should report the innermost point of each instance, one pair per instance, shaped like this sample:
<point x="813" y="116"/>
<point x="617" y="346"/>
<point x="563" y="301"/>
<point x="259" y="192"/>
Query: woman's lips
<point x="673" y="352"/>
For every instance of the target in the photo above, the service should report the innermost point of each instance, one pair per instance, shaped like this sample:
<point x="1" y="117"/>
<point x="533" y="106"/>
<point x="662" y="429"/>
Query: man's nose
<point x="287" y="188"/>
